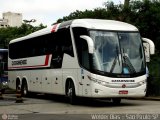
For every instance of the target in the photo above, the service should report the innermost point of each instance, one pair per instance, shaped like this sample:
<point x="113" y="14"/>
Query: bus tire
<point x="116" y="101"/>
<point x="71" y="93"/>
<point x="17" y="83"/>
<point x="24" y="89"/>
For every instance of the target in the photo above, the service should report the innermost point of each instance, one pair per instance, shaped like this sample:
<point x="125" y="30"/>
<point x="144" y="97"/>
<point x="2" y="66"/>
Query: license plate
<point x="123" y="92"/>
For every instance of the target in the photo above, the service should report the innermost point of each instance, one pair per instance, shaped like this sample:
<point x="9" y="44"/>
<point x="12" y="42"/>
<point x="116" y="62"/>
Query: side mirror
<point x="89" y="42"/>
<point x="149" y="48"/>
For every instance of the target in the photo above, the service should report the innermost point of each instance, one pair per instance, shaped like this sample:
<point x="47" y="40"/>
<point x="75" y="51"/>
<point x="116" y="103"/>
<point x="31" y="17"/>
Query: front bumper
<point x="104" y="92"/>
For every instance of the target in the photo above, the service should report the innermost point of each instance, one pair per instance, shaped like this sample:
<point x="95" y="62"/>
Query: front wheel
<point x="116" y="101"/>
<point x="24" y="89"/>
<point x="71" y="93"/>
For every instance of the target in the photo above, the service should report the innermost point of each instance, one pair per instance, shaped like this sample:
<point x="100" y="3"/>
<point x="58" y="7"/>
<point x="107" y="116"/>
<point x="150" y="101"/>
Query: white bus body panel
<point x="115" y="87"/>
<point x="54" y="80"/>
<point x="103" y="25"/>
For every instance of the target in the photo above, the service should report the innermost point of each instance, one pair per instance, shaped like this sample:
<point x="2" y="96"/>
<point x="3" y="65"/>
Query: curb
<point x="152" y="98"/>
<point x="146" y="98"/>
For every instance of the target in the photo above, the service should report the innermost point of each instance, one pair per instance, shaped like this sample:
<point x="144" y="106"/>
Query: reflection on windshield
<point x="117" y="52"/>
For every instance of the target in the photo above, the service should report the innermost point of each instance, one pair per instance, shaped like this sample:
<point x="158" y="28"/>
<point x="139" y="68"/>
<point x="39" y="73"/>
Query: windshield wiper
<point x="115" y="59"/>
<point x="128" y="63"/>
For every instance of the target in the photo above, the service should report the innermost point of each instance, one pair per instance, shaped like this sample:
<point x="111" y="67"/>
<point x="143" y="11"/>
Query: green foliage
<point x="9" y="33"/>
<point x="145" y="14"/>
<point x="154" y="68"/>
<point x="147" y="19"/>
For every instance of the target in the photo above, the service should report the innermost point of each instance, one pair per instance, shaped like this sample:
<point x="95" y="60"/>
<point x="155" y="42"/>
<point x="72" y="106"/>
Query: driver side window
<point x="82" y="47"/>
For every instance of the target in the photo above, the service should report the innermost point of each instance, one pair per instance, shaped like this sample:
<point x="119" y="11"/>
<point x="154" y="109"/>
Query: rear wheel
<point x="17" y="84"/>
<point x="71" y="93"/>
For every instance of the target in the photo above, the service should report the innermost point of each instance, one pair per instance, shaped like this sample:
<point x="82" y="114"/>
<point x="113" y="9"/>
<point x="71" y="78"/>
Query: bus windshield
<point x="117" y="52"/>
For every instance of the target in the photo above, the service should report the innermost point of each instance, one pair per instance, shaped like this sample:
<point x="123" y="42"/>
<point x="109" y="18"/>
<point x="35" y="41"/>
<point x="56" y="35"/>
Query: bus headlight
<point x="99" y="81"/>
<point x="142" y="82"/>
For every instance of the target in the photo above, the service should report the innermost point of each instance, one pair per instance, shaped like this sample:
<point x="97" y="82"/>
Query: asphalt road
<point x="43" y="107"/>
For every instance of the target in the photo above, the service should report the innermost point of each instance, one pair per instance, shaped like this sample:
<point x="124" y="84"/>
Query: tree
<point x="144" y="14"/>
<point x="9" y="33"/>
<point x="126" y="3"/>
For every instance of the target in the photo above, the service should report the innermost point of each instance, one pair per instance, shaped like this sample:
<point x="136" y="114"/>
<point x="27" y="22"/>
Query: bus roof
<point x="87" y="23"/>
<point x="103" y="25"/>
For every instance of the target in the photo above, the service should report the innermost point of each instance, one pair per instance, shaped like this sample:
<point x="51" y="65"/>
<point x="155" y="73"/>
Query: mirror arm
<point x="89" y="42"/>
<point x="151" y="45"/>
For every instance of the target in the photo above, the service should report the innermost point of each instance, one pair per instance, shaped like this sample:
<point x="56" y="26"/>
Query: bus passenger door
<point x="86" y="84"/>
<point x="84" y="59"/>
<point x="80" y="84"/>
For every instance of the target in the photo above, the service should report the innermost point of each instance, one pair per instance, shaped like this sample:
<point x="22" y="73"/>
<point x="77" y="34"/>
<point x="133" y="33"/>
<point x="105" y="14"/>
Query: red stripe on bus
<point x="34" y="66"/>
<point x="47" y="60"/>
<point x="54" y="28"/>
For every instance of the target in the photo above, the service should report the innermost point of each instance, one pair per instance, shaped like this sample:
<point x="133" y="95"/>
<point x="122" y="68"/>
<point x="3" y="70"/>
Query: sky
<point x="49" y="11"/>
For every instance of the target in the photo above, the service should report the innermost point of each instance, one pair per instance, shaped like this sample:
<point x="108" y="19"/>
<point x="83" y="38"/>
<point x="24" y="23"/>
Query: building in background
<point x="3" y="23"/>
<point x="11" y="20"/>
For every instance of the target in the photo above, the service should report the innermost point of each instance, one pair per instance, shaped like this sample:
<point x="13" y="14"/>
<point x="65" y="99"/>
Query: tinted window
<point x="28" y="48"/>
<point x="63" y="45"/>
<point x="81" y="47"/>
<point x="56" y="44"/>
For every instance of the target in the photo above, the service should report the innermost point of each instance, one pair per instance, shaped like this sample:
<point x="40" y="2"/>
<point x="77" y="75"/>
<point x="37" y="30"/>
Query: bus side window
<point x="62" y="45"/>
<point x="81" y="46"/>
<point x="57" y="55"/>
<point x="84" y="54"/>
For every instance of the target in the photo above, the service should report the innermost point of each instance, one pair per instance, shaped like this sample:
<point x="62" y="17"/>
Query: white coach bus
<point x="83" y="57"/>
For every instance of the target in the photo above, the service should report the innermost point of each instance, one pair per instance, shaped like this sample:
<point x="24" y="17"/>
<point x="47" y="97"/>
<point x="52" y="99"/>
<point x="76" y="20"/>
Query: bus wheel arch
<point x="70" y="91"/>
<point x="24" y="87"/>
<point x="18" y="82"/>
